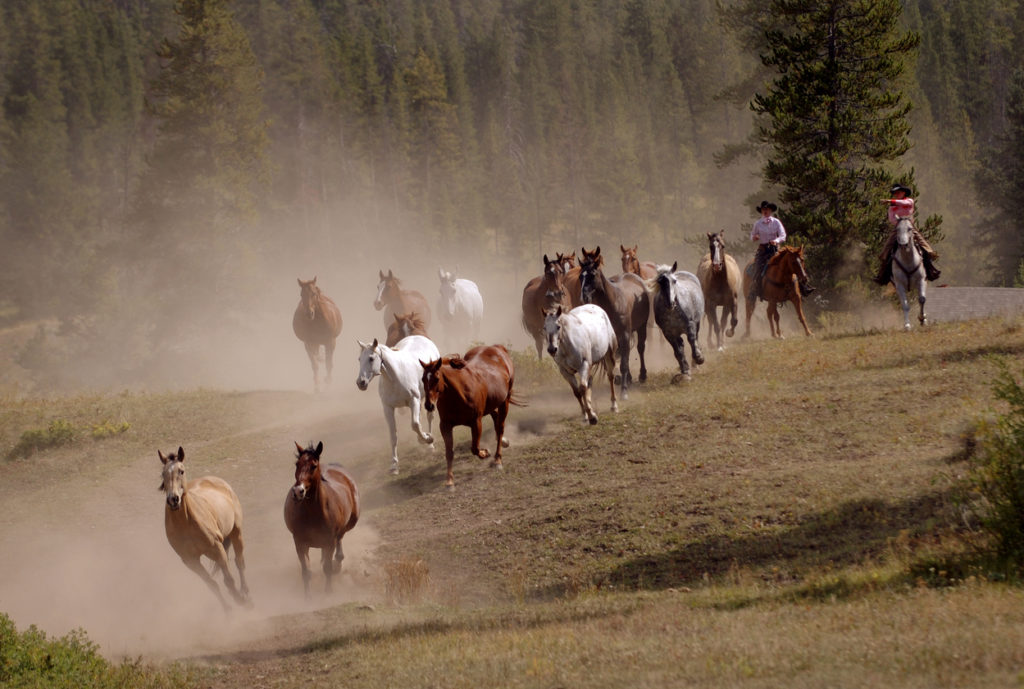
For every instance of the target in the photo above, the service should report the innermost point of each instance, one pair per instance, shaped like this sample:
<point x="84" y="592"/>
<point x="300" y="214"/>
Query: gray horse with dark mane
<point x="678" y="309"/>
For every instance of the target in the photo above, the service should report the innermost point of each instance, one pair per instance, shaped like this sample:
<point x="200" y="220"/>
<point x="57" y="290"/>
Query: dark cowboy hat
<point x="766" y="204"/>
<point x="900" y="187"/>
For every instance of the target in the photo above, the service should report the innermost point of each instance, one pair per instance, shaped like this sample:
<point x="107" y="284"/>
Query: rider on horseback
<point x="770" y="233"/>
<point x="902" y="206"/>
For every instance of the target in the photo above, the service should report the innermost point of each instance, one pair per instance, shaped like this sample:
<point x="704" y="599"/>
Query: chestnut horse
<point x="784" y="273"/>
<point x="541" y="293"/>
<point x="631" y="264"/>
<point x="465" y="389"/>
<point x="719" y="276"/>
<point x="203" y="517"/>
<point x="316" y="322"/>
<point x="319" y="509"/>
<point x="572" y="279"/>
<point x="393" y="299"/>
<point x="624" y="298"/>
<point x="405" y="324"/>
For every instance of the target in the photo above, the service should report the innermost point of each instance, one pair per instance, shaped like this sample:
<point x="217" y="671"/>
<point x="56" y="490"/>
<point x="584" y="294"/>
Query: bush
<point x="996" y="473"/>
<point x="59" y="432"/>
<point x="30" y="659"/>
<point x="108" y="428"/>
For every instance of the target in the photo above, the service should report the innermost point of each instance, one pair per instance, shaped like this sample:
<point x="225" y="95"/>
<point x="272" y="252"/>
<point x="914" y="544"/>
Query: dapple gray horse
<point x="908" y="271"/>
<point x="678" y="309"/>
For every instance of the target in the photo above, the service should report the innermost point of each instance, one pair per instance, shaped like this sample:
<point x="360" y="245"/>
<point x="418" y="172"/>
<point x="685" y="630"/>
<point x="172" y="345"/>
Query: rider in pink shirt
<point x="902" y="206"/>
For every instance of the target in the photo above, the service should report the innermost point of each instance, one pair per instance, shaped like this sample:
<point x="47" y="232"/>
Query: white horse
<point x="678" y="308"/>
<point x="460" y="308"/>
<point x="908" y="271"/>
<point x="580" y="341"/>
<point x="401" y="382"/>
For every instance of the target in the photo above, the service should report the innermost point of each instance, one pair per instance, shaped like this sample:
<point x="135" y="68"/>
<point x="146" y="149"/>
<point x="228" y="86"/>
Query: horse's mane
<point x="654" y="284"/>
<point x="455" y="361"/>
<point x="783" y="250"/>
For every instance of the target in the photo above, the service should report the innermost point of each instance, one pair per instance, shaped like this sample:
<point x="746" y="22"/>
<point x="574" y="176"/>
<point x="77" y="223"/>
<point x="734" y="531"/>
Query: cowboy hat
<point x="767" y="204"/>
<point x="900" y="187"/>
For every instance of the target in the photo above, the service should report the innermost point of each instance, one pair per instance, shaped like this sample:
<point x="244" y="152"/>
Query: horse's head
<point x="447" y="291"/>
<point x="630" y="263"/>
<point x="590" y="267"/>
<point x="791" y="258"/>
<point x="307" y="470"/>
<point x="369" y="363"/>
<point x="552" y="327"/>
<point x="387" y="286"/>
<point x="716" y="249"/>
<point x="173" y="483"/>
<point x="664" y="283"/>
<point x="433" y="382"/>
<point x="904" y="226"/>
<point x="566" y="261"/>
<point x="309" y="293"/>
<point x="553" y="270"/>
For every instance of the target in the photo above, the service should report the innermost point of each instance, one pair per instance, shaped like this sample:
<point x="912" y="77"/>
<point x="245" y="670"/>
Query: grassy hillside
<point x="787" y="518"/>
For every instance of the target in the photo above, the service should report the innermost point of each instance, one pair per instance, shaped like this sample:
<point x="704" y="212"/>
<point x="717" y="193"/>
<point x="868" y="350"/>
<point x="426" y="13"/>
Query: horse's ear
<point x="298" y="449"/>
<point x="181" y="454"/>
<point x="675" y="266"/>
<point x="623" y="249"/>
<point x="299" y="280"/>
<point x="375" y="343"/>
<point x="381" y="274"/>
<point x="313" y="281"/>
<point x="163" y="459"/>
<point x="710" y="235"/>
<point x="390" y="274"/>
<point x="440" y="273"/>
<point x="597" y="251"/>
<point x="398" y="318"/>
<point x="319" y="449"/>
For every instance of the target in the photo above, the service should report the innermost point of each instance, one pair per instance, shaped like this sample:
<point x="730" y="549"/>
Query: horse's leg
<point x="475" y="429"/>
<point x="921" y="295"/>
<point x="693" y="337"/>
<point x="538" y="341"/>
<point x="749" y="303"/>
<point x="624" y="364"/>
<point x="220" y="559"/>
<point x="327" y="564"/>
<point x="303" y="552"/>
<point x="313" y="352"/>
<point x="798" y="302"/>
<point x="449" y="453"/>
<point x="733" y="320"/>
<point x="577" y="390"/>
<point x="721" y="328"/>
<point x="239" y="546"/>
<point x="339" y="555"/>
<point x="196" y="566"/>
<point x="329" y="359"/>
<point x="641" y="347"/>
<point x="498" y="417"/>
<point x="773" y="320"/>
<point x="584" y="395"/>
<point x="414" y="407"/>
<point x="389" y="416"/>
<point x="679" y="349"/>
<point x="609" y="367"/>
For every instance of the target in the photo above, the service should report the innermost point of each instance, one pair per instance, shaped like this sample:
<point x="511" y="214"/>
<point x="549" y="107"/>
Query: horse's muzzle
<point x="429" y="405"/>
<point x="552" y="350"/>
<point x="362" y="384"/>
<point x="298" y="492"/>
<point x="378" y="305"/>
<point x="174" y="501"/>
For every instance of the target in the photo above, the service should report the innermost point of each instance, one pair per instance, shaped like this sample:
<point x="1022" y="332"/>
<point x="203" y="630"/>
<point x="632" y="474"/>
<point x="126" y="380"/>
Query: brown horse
<point x="320" y="508"/>
<point x="316" y="322"/>
<point x="393" y="299"/>
<point x="540" y="293"/>
<point x="405" y="324"/>
<point x="624" y="298"/>
<point x="784" y="273"/>
<point x="719" y="276"/>
<point x="632" y="264"/>
<point x="203" y="517"/>
<point x="572" y="279"/>
<point x="465" y="389"/>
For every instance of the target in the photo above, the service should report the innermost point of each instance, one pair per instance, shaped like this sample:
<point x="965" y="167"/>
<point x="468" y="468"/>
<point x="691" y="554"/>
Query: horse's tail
<point x="517" y="401"/>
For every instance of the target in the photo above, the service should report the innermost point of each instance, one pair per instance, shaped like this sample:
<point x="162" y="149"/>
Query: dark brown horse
<point x="393" y="299"/>
<point x="783" y="275"/>
<point x="719" y="276"/>
<point x="632" y="264"/>
<point x="405" y="324"/>
<point x="540" y="293"/>
<point x="320" y="508"/>
<point x="464" y="390"/>
<point x="316" y="322"/>
<point x="624" y="298"/>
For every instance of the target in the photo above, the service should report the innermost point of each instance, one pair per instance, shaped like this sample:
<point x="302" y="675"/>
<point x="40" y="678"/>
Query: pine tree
<point x="835" y="120"/>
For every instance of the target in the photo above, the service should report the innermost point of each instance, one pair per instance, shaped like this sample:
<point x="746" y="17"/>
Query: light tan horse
<point x="719" y="276"/>
<point x="203" y="517"/>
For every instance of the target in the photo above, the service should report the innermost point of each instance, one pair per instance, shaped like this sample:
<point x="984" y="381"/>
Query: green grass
<point x="787" y="518"/>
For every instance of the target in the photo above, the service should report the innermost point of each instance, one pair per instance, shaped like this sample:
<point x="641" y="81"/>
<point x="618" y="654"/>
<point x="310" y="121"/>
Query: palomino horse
<point x="465" y="389"/>
<point x="391" y="298"/>
<point x="405" y="324"/>
<point x="203" y="517"/>
<point x="540" y="293"/>
<point x="400" y="384"/>
<point x="320" y="508"/>
<point x="460" y="308"/>
<point x="908" y="271"/>
<point x="581" y="341"/>
<point x="782" y="278"/>
<point x="678" y="308"/>
<point x="316" y="322"/>
<point x="624" y="298"/>
<point x="719" y="276"/>
<point x="632" y="264"/>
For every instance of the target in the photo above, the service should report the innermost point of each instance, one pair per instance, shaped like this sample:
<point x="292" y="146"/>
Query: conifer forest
<point x="156" y="154"/>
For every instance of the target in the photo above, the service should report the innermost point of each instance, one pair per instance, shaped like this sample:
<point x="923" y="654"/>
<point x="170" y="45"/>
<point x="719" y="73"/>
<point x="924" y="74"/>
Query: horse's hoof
<point x="504" y="441"/>
<point x="393" y="470"/>
<point x="907" y="327"/>
<point x="593" y="420"/>
<point x="680" y="377"/>
<point x="450" y="487"/>
<point x="484" y="454"/>
<point x="427" y="439"/>
<point x="497" y="465"/>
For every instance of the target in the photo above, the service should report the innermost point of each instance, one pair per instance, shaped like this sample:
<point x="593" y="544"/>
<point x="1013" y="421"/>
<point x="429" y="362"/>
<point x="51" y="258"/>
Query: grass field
<point x="787" y="518"/>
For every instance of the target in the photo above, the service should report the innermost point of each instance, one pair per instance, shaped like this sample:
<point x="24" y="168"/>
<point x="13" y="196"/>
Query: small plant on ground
<point x="59" y="432"/>
<point x="996" y="473"/>
<point x="108" y="428"/>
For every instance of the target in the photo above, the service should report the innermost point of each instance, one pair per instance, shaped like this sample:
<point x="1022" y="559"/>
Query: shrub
<point x="109" y="428"/>
<point x="996" y="473"/>
<point x="59" y="432"/>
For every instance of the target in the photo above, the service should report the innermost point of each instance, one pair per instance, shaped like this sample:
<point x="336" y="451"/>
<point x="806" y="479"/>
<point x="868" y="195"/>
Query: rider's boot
<point x="884" y="275"/>
<point x="806" y="289"/>
<point x="931" y="272"/>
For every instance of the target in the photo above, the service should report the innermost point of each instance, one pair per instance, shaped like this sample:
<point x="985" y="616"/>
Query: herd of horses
<point x="587" y="320"/>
